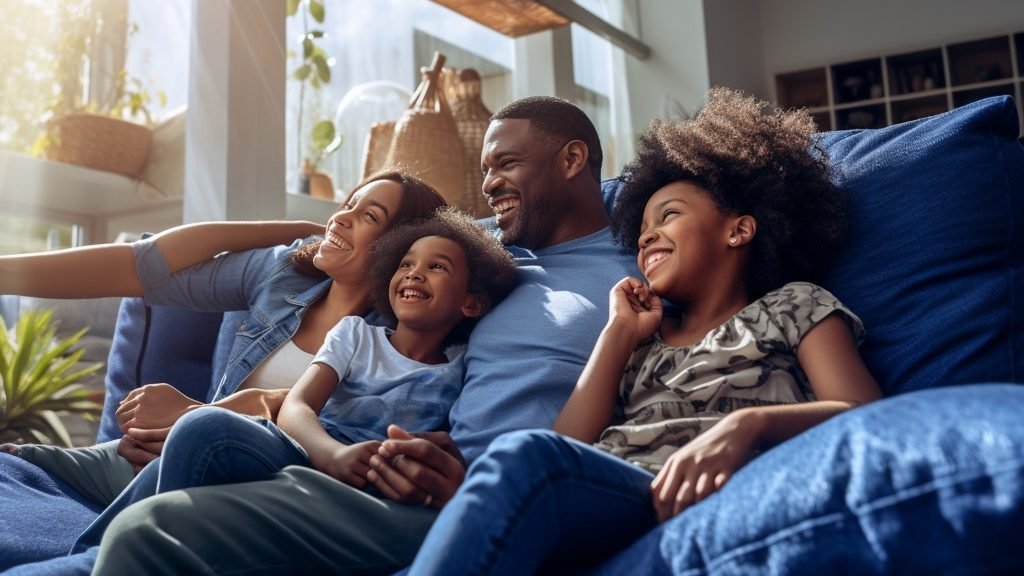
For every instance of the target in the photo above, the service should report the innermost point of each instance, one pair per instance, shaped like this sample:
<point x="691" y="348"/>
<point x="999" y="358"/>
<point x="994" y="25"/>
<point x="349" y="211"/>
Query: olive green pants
<point x="96" y="472"/>
<point x="299" y="522"/>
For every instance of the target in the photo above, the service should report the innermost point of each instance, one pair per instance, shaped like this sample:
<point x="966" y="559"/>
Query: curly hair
<point x="492" y="272"/>
<point x="559" y="121"/>
<point x="752" y="160"/>
<point x="419" y="200"/>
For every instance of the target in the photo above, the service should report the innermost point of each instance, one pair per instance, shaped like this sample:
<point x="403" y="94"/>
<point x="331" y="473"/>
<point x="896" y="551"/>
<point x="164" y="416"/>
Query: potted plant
<point x="39" y="375"/>
<point x="111" y="132"/>
<point x="313" y="72"/>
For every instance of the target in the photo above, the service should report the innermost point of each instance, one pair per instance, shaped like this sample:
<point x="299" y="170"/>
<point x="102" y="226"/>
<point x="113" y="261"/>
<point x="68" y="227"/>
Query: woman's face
<point x="351" y="230"/>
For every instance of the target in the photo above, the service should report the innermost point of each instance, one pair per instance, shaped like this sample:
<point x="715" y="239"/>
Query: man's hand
<point x="140" y="447"/>
<point x="350" y="464"/>
<point x="9" y="448"/>
<point x="421" y="468"/>
<point x="152" y="406"/>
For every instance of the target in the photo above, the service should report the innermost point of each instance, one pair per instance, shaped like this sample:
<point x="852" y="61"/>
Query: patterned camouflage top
<point x="668" y="395"/>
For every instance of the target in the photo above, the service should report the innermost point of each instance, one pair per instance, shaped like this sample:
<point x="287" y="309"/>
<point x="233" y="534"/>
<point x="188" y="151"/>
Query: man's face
<point x="520" y="183"/>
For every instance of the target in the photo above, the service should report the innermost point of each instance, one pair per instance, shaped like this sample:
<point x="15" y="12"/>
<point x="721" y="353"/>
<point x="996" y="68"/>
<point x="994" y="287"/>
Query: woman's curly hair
<point x="492" y="272"/>
<point x="752" y="160"/>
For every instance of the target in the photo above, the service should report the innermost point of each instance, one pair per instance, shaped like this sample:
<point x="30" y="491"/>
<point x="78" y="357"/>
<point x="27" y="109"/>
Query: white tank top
<point x="281" y="369"/>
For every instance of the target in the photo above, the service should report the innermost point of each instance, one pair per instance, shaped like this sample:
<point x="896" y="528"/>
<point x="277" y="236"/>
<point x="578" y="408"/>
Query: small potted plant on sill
<point x="38" y="375"/>
<point x="112" y="133"/>
<point x="313" y="72"/>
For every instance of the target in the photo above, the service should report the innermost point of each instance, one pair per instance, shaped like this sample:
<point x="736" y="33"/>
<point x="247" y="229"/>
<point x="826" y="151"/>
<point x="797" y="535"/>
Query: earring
<point x="732" y="241"/>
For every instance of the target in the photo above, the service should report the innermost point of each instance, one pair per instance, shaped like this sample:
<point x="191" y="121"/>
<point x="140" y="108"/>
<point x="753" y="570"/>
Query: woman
<point x="294" y="295"/>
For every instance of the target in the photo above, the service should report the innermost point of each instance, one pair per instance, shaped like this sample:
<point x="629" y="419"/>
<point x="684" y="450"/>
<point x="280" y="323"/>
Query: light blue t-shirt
<point x="525" y="356"/>
<point x="379" y="386"/>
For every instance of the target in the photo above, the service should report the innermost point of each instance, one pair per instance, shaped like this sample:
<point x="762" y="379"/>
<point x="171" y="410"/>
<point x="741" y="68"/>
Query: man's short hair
<point x="560" y="121"/>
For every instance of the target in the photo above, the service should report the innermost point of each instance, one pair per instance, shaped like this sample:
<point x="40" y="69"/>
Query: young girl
<point x="431" y="280"/>
<point x="727" y="212"/>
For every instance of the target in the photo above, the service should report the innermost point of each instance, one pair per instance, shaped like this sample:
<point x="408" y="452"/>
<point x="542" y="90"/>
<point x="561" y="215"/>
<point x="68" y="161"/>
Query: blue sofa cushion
<point x="158" y="344"/>
<point x="929" y="482"/>
<point x="934" y="262"/>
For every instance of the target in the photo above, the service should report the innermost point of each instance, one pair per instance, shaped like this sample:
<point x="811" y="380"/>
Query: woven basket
<point x="426" y="142"/>
<point x="471" y="120"/>
<point x="100" y="142"/>
<point x="378" y="142"/>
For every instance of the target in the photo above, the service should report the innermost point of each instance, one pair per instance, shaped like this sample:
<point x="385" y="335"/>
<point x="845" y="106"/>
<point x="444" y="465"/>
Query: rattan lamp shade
<point x="512" y="18"/>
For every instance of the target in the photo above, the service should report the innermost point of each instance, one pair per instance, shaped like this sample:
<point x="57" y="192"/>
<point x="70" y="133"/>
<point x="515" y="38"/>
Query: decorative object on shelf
<point x="357" y="115"/>
<point x="426" y="140"/>
<point x="471" y="120"/>
<point x="512" y="18"/>
<point x="40" y="376"/>
<point x="111" y="133"/>
<point x="314" y="72"/>
<point x="315" y="183"/>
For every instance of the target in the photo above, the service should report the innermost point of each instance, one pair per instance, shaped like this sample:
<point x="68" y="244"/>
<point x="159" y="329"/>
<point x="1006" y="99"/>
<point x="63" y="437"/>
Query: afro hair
<point x="492" y="272"/>
<point x="752" y="160"/>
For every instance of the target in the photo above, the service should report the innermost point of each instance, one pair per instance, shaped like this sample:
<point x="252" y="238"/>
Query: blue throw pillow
<point x="158" y="344"/>
<point x="933" y="265"/>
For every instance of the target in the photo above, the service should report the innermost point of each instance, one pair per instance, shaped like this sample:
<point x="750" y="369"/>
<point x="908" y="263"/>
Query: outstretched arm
<point x="840" y="380"/>
<point x="109" y="269"/>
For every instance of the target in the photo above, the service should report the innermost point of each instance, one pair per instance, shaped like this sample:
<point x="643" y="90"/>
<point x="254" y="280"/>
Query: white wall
<point x="806" y="33"/>
<point x="678" y="66"/>
<point x="735" y="45"/>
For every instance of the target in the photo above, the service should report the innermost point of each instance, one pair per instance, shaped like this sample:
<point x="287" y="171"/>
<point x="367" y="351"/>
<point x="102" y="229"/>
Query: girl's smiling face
<point x="683" y="240"/>
<point x="430" y="289"/>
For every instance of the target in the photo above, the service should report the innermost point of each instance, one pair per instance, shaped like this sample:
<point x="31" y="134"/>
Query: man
<point x="541" y="162"/>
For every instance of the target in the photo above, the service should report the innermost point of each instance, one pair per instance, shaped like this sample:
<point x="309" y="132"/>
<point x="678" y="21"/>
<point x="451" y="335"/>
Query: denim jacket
<point x="262" y="282"/>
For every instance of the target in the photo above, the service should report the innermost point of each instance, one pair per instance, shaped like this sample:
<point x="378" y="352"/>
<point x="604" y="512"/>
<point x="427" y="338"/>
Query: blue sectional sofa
<point x="929" y="480"/>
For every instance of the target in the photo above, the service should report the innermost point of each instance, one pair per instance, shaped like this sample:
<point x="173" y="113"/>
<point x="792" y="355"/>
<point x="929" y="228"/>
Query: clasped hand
<point x="145" y="416"/>
<point x="423" y="468"/>
<point x="633" y="307"/>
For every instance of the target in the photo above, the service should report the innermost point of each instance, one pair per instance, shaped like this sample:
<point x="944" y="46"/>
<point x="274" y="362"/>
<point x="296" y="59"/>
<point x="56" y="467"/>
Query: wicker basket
<point x="471" y="120"/>
<point x="378" y="142"/>
<point x="100" y="142"/>
<point x="426" y="141"/>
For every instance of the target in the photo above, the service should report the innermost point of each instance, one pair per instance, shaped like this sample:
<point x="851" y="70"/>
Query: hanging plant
<point x="39" y="376"/>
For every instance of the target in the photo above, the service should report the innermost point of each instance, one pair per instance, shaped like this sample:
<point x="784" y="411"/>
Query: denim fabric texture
<point x="929" y="482"/>
<point x="549" y="499"/>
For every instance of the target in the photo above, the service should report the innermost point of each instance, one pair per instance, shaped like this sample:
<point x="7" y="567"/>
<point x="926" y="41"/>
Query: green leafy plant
<point x="313" y="71"/>
<point x="39" y="375"/>
<point x="125" y="97"/>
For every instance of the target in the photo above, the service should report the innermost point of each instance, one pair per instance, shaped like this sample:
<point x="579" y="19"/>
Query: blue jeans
<point x="537" y="499"/>
<point x="207" y="446"/>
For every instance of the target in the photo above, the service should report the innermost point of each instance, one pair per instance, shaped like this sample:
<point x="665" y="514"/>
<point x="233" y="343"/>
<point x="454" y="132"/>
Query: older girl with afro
<point x="726" y="349"/>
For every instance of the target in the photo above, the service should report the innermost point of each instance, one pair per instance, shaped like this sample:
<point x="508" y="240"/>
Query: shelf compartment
<point x="916" y="72"/>
<point x="856" y="81"/>
<point x="871" y="116"/>
<point x="823" y="120"/>
<point x="1018" y="40"/>
<point x="914" y="108"/>
<point x="979" y="61"/>
<point x="961" y="97"/>
<point x="802" y="89"/>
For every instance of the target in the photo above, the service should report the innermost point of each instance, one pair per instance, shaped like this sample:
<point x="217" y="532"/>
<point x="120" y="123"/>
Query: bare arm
<point x="840" y="380"/>
<point x="299" y="417"/>
<point x="635" y="314"/>
<point x="109" y="269"/>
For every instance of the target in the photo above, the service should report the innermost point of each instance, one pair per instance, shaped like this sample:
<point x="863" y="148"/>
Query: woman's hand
<point x="705" y="464"/>
<point x="632" y="304"/>
<point x="351" y="463"/>
<point x="153" y="406"/>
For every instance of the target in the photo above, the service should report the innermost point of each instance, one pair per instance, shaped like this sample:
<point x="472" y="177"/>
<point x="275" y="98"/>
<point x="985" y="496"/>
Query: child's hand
<point x="703" y="465"/>
<point x="351" y="463"/>
<point x="632" y="304"/>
